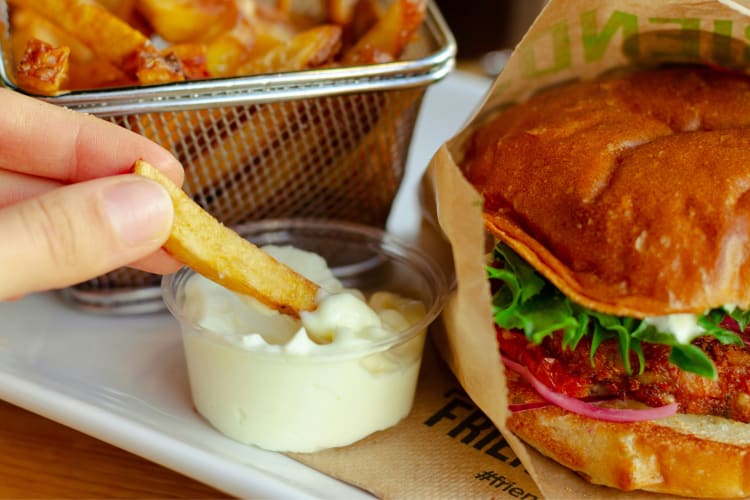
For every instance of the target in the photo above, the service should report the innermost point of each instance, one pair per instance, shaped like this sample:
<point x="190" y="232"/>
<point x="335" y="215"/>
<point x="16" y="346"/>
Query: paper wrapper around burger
<point x="570" y="40"/>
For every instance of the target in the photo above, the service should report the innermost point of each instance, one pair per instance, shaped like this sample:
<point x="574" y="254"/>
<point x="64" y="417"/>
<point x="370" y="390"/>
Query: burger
<point x="620" y="275"/>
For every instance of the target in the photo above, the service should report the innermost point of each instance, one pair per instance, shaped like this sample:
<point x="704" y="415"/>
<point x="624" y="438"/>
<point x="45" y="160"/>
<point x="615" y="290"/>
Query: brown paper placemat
<point x="445" y="448"/>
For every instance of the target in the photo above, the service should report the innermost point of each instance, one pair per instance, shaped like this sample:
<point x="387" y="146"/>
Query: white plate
<point x="124" y="381"/>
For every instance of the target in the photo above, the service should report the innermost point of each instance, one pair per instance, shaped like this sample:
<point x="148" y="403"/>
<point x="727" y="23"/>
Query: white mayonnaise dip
<point x="286" y="384"/>
<point x="684" y="326"/>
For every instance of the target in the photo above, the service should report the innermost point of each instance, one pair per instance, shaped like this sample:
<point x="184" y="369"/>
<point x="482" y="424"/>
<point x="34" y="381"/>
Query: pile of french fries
<point x="63" y="45"/>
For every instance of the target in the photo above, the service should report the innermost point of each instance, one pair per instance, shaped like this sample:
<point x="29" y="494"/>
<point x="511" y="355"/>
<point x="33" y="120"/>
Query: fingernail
<point x="139" y="210"/>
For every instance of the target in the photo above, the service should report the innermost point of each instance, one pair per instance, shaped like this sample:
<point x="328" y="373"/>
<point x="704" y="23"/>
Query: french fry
<point x="304" y="10"/>
<point x="27" y="25"/>
<point x="180" y="21"/>
<point x="365" y="15"/>
<point x="107" y="35"/>
<point x="341" y="11"/>
<point x="121" y="8"/>
<point x="198" y="240"/>
<point x="269" y="35"/>
<point x="43" y="67"/>
<point x="85" y="70"/>
<point x="385" y="41"/>
<point x="154" y="67"/>
<point x="275" y="14"/>
<point x="231" y="48"/>
<point x="258" y="29"/>
<point x="309" y="49"/>
<point x="91" y="74"/>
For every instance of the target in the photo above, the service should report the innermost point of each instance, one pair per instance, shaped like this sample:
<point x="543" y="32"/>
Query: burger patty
<point x="571" y="372"/>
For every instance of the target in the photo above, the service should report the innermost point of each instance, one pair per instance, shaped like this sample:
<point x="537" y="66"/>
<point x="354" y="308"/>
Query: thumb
<point x="80" y="231"/>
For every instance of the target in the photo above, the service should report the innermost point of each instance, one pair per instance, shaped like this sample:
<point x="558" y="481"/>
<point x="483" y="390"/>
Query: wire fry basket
<point x="328" y="143"/>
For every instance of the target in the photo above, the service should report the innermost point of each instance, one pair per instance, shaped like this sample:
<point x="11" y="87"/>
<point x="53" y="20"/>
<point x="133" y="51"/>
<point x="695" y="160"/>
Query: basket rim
<point x="256" y="89"/>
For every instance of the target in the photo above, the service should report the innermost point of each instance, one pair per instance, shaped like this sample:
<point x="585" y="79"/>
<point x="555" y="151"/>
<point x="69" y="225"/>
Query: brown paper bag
<point x="571" y="39"/>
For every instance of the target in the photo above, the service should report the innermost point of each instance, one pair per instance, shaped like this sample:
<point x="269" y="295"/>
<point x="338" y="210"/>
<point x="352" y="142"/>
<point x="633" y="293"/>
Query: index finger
<point x="44" y="140"/>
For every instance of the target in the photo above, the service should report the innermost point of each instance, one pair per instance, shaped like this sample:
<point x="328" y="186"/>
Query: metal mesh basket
<point x="326" y="143"/>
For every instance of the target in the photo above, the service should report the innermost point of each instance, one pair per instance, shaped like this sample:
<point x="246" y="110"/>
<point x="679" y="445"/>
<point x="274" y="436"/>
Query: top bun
<point x="630" y="193"/>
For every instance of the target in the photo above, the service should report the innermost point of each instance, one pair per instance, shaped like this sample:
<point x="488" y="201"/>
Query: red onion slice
<point x="579" y="407"/>
<point x="516" y="407"/>
<point x="731" y="324"/>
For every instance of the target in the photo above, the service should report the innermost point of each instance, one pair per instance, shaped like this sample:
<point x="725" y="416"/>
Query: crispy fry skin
<point x="154" y="67"/>
<point x="43" y="67"/>
<point x="385" y="41"/>
<point x="193" y="59"/>
<point x="215" y="251"/>
<point x="173" y="64"/>
<point x="103" y="32"/>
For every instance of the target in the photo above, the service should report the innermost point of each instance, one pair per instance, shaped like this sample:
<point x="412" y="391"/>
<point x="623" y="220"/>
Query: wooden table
<point x="41" y="458"/>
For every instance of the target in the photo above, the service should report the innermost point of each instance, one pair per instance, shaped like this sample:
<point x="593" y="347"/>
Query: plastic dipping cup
<point x="306" y="402"/>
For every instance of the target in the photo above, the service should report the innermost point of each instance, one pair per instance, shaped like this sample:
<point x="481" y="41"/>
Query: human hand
<point x="68" y="209"/>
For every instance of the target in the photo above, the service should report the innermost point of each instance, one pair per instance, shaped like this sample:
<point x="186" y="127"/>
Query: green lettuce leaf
<point x="525" y="300"/>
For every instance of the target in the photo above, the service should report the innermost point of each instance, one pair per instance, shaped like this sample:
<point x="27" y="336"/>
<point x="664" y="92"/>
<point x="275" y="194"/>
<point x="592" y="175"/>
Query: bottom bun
<point x="688" y="455"/>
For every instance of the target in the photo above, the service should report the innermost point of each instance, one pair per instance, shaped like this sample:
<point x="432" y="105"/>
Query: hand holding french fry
<point x="200" y="241"/>
<point x="69" y="212"/>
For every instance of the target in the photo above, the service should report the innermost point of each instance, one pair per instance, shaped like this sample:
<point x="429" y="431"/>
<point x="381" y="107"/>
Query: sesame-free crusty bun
<point x="696" y="456"/>
<point x="631" y="193"/>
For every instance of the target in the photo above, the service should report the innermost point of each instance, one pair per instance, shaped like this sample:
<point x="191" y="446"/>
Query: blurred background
<point x="487" y="30"/>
